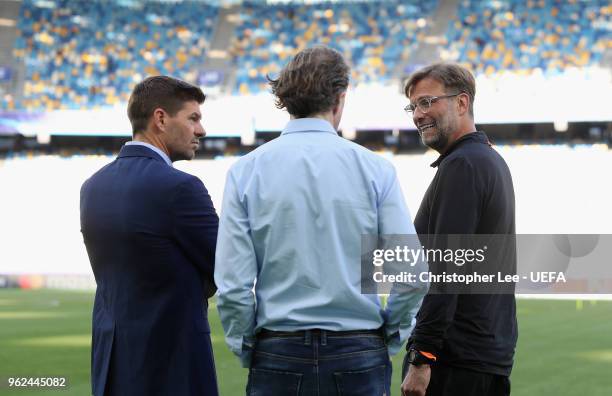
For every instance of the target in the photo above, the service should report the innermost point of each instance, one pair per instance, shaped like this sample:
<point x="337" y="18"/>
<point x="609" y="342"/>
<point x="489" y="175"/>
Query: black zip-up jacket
<point x="471" y="193"/>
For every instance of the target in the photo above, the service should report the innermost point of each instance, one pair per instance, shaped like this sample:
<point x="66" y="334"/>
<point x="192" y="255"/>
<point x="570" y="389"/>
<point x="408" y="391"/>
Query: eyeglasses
<point x="424" y="104"/>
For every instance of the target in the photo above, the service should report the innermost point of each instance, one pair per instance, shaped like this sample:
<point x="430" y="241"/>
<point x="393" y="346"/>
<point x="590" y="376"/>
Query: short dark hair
<point x="311" y="82"/>
<point x="163" y="92"/>
<point x="453" y="76"/>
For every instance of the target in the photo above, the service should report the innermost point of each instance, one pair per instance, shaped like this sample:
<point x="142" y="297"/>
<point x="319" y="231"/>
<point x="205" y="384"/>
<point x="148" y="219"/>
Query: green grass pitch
<point x="565" y="347"/>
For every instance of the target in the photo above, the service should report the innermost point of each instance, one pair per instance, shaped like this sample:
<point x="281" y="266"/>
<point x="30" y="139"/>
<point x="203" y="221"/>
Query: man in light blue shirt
<point x="289" y="247"/>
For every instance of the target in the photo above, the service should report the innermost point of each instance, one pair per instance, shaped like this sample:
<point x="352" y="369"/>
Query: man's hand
<point x="417" y="380"/>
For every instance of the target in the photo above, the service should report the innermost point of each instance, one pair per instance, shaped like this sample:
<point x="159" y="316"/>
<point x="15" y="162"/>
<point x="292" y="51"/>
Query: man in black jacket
<point x="462" y="344"/>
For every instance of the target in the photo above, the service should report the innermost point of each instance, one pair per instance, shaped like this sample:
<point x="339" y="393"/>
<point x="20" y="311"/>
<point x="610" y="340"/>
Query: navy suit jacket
<point x="150" y="232"/>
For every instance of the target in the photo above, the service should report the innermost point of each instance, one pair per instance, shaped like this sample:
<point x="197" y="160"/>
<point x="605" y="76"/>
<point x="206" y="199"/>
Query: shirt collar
<point x="156" y="149"/>
<point x="473" y="137"/>
<point x="308" y="125"/>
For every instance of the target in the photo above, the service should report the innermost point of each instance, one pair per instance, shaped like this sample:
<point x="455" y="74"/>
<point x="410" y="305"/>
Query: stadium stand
<point x="550" y="35"/>
<point x="90" y="53"/>
<point x="373" y="36"/>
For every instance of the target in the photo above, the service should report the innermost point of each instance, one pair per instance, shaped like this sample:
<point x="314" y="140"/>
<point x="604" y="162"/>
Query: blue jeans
<point x="320" y="363"/>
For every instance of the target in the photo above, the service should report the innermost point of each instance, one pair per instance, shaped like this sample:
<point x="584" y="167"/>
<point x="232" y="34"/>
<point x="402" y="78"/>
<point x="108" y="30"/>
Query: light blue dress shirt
<point x="289" y="244"/>
<point x="156" y="149"/>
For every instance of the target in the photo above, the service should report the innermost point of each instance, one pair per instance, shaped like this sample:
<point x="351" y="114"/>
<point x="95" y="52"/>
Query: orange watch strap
<point x="428" y="355"/>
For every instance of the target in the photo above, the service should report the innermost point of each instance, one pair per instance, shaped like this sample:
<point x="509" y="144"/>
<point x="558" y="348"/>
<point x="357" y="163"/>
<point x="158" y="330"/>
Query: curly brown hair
<point x="311" y="82"/>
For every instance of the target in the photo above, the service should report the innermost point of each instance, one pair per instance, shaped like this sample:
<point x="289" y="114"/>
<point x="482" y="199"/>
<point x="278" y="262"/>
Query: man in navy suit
<point x="150" y="232"/>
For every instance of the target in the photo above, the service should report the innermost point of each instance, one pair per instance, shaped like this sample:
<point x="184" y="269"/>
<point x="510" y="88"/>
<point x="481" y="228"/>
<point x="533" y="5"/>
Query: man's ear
<point x="160" y="117"/>
<point x="339" y="102"/>
<point x="464" y="103"/>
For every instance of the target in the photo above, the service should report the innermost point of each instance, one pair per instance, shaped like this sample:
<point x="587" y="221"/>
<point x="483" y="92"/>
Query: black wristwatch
<point x="417" y="358"/>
